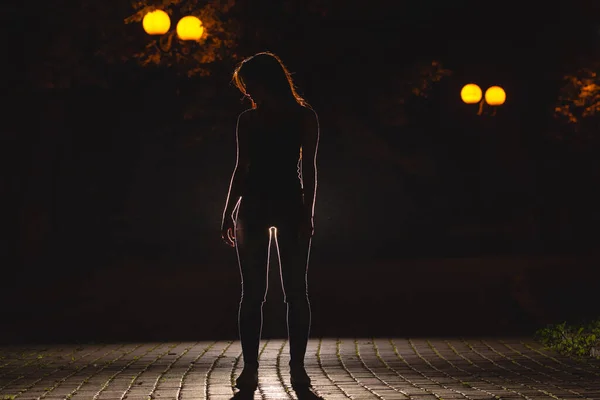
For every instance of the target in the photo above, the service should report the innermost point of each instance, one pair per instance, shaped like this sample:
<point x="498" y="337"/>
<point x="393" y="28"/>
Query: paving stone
<point x="420" y="369"/>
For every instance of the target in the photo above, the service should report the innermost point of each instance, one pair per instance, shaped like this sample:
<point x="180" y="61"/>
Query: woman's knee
<point x="255" y="296"/>
<point x="296" y="297"/>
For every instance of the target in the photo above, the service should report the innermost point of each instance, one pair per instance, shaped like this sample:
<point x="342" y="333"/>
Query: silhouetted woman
<point x="272" y="195"/>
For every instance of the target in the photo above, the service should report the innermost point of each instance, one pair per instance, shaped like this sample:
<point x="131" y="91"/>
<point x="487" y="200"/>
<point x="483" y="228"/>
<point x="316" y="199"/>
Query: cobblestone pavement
<point x="379" y="368"/>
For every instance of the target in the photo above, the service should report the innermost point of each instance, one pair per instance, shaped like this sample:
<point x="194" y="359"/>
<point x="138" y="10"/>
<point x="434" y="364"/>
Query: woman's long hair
<point x="267" y="69"/>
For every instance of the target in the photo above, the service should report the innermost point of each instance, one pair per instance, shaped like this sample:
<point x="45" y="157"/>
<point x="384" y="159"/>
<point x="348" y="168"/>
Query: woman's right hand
<point x="228" y="231"/>
<point x="307" y="227"/>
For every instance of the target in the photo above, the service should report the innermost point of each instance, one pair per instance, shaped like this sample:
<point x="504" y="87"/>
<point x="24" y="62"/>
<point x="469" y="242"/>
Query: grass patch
<point x="578" y="340"/>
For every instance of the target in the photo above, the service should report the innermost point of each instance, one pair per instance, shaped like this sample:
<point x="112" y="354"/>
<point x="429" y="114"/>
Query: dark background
<point x="430" y="219"/>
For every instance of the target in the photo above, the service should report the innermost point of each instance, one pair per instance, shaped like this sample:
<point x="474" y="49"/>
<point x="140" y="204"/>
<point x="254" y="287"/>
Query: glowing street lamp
<point x="190" y="28"/>
<point x="494" y="96"/>
<point x="156" y="22"/>
<point x="471" y="93"/>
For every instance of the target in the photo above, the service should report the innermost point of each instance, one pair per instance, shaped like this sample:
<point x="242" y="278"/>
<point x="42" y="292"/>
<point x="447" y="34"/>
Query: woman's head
<point x="263" y="77"/>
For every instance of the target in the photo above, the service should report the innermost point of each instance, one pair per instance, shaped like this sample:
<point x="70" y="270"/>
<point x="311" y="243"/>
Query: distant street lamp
<point x="190" y="28"/>
<point x="494" y="96"/>
<point x="471" y="93"/>
<point x="157" y="22"/>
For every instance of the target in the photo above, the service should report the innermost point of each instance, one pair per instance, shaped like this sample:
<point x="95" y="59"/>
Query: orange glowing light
<point x="156" y="22"/>
<point x="495" y="96"/>
<point x="190" y="28"/>
<point x="471" y="93"/>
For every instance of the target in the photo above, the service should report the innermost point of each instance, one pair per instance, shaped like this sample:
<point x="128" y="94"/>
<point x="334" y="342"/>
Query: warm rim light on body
<point x="156" y="22"/>
<point x="495" y="96"/>
<point x="471" y="93"/>
<point x="189" y="28"/>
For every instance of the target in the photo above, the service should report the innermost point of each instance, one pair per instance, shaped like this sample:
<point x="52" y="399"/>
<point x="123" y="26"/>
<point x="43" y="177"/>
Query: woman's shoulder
<point x="245" y="116"/>
<point x="246" y="113"/>
<point x="309" y="117"/>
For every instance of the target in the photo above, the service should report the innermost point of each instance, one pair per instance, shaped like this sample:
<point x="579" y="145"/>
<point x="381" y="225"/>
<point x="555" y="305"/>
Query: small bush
<point x="575" y="340"/>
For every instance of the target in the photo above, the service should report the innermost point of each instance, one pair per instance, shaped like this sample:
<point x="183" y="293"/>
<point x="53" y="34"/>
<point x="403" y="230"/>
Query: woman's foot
<point x="248" y="379"/>
<point x="299" y="377"/>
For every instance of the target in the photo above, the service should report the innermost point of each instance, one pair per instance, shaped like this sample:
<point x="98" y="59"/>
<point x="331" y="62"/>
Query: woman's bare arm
<point x="241" y="168"/>
<point x="310" y="144"/>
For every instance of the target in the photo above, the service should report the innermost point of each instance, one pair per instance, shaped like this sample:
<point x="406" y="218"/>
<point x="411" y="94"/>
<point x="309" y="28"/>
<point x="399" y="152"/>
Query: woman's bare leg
<point x="252" y="246"/>
<point x="293" y="252"/>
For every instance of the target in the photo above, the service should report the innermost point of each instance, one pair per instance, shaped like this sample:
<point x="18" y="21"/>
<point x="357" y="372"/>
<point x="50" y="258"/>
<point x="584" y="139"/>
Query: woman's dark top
<point x="273" y="150"/>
